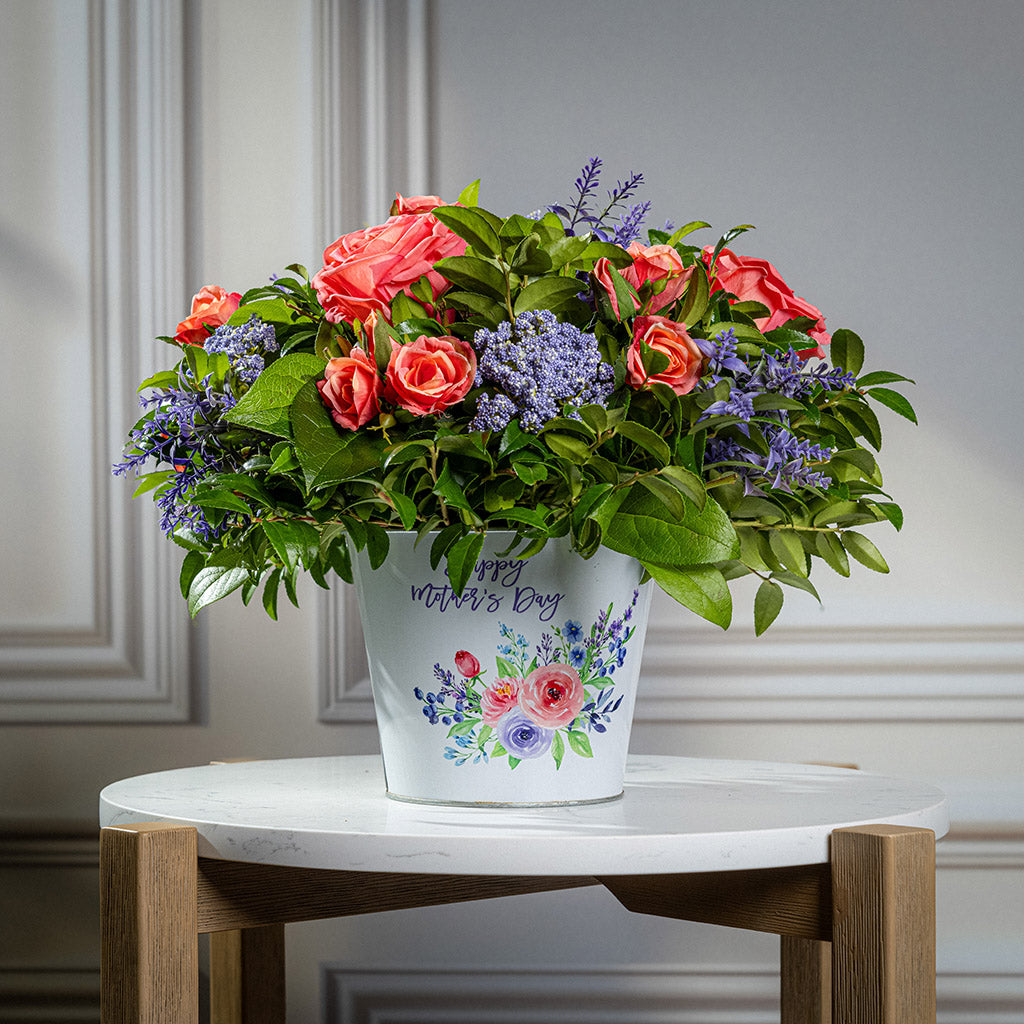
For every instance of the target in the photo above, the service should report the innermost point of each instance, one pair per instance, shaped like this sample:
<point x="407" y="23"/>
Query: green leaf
<point x="847" y="351"/>
<point x="265" y="405"/>
<point x="273" y="311"/>
<point x="580" y="742"/>
<point x="646" y="439"/>
<point x="325" y="456"/>
<point x="686" y="482"/>
<point x="295" y="542"/>
<point x="270" y="592"/>
<point x="546" y="293"/>
<point x="470" y="194"/>
<point x="881" y="377"/>
<point x="767" y="605"/>
<point x="462" y="558"/>
<point x="701" y="588"/>
<point x="864" y="551"/>
<point x="892" y="512"/>
<point x="895" y="401"/>
<point x="450" y="491"/>
<point x="695" y="298"/>
<point x="641" y="526"/>
<point x="568" y="447"/>
<point x="472" y="224"/>
<point x="788" y="550"/>
<point x="191" y="564"/>
<point x="221" y="575"/>
<point x="665" y="493"/>
<point x="473" y="274"/>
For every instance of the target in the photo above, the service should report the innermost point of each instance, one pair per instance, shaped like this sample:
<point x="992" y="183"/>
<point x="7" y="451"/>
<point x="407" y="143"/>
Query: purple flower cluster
<point x="182" y="431"/>
<point x="539" y="365"/>
<point x="578" y="216"/>
<point x="245" y="346"/>
<point x="790" y="460"/>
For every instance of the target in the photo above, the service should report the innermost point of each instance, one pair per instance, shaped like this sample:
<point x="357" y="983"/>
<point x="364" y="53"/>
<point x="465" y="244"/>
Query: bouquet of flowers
<point x="452" y="371"/>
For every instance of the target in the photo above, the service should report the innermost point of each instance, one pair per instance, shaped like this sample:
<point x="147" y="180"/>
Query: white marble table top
<point x="677" y="814"/>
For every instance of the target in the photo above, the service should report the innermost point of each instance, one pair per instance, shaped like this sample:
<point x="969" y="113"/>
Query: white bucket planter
<point x="521" y="691"/>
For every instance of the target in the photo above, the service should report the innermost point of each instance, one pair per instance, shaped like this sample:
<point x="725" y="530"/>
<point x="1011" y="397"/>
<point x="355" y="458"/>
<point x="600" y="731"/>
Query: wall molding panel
<point x="132" y="663"/>
<point x="692" y="994"/>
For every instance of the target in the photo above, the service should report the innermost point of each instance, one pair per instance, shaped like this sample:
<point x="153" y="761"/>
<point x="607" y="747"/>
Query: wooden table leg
<point x="149" y="940"/>
<point x="806" y="974"/>
<point x="883" y="933"/>
<point x="247" y="976"/>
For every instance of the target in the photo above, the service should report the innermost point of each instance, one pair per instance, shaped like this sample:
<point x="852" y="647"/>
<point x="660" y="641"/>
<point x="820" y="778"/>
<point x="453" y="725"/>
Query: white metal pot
<point x="519" y="691"/>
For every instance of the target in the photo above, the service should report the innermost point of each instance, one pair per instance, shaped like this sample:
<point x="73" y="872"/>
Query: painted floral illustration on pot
<point x="543" y="700"/>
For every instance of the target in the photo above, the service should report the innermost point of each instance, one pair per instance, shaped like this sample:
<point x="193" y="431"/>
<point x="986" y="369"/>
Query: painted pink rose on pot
<point x="500" y="697"/>
<point x="671" y="340"/>
<point x="552" y="695"/>
<point x="429" y="374"/>
<point x="363" y="271"/>
<point x="212" y="306"/>
<point x="351" y="389"/>
<point x="749" y="278"/>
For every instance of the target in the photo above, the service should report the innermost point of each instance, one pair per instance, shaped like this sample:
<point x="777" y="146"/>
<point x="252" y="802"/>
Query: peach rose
<point x="653" y="264"/>
<point x="351" y="389"/>
<point x="501" y="696"/>
<point x="669" y="338"/>
<point x="552" y="695"/>
<point x="365" y="270"/>
<point x="749" y="278"/>
<point x="430" y="374"/>
<point x="211" y="306"/>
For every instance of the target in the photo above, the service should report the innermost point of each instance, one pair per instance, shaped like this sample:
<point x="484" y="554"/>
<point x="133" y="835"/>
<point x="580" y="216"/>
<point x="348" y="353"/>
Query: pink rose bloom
<point x="430" y="374"/>
<point x="365" y="270"/>
<point x="211" y="305"/>
<point x="467" y="664"/>
<point x="668" y="337"/>
<point x="501" y="696"/>
<point x="552" y="695"/>
<point x="753" y="279"/>
<point x="351" y="389"/>
<point x="415" y="204"/>
<point x="654" y="263"/>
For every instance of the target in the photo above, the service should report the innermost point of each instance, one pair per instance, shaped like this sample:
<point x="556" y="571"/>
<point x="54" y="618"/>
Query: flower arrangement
<point x="451" y="371"/>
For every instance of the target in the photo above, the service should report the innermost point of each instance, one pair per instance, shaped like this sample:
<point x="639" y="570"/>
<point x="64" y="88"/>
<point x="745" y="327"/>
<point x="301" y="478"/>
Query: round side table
<point x="839" y="863"/>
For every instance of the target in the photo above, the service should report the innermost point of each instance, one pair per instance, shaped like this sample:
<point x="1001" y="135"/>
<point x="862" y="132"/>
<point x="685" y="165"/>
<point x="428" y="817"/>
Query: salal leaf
<point x="473" y="274"/>
<point x="895" y="401"/>
<point x="646" y="439"/>
<point x="462" y="558"/>
<point x="265" y="405"/>
<point x="701" y="588"/>
<point x="547" y="293"/>
<point x="640" y="525"/>
<point x="847" y="351"/>
<point x="222" y="574"/>
<point x="474" y="225"/>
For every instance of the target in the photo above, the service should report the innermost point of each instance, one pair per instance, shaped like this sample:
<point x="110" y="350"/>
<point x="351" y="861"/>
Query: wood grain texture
<point x="247" y="976"/>
<point x="784" y="901"/>
<point x="149" y="950"/>
<point x="883" y="951"/>
<point x="239" y="895"/>
<point x="806" y="980"/>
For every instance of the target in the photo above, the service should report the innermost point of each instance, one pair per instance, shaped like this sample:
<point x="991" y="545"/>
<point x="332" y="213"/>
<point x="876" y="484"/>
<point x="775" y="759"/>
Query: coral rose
<point x="415" y="204"/>
<point x="498" y="699"/>
<point x="351" y="389"/>
<point x="749" y="278"/>
<point x="670" y="339"/>
<point x="429" y="374"/>
<point x="211" y="306"/>
<point x="365" y="270"/>
<point x="653" y="264"/>
<point x="552" y="695"/>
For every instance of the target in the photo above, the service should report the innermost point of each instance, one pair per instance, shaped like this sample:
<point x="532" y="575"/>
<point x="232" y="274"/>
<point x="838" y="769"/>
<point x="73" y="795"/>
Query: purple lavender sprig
<point x="579" y="216"/>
